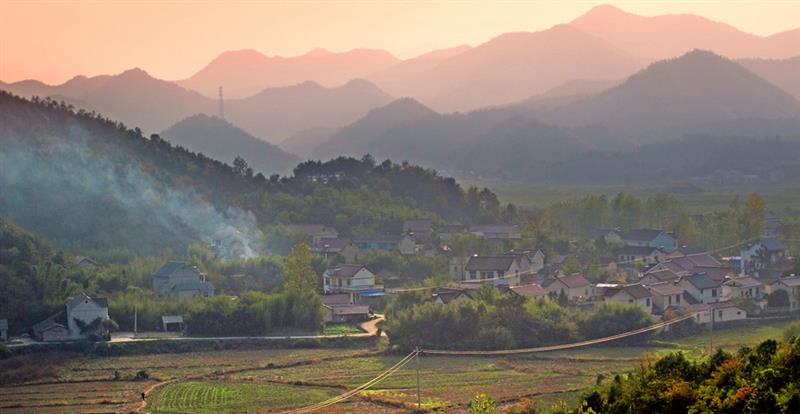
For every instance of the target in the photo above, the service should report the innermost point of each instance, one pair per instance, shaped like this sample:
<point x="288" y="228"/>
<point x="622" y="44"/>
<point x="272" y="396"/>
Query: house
<point x="608" y="235"/>
<point x="789" y="284"/>
<point x="180" y="280"/>
<point x="665" y="294"/>
<point x="575" y="287"/>
<point x="348" y="278"/>
<point x="693" y="263"/>
<point x="631" y="294"/>
<point x="445" y="295"/>
<point x="84" y="311"/>
<point x="52" y="329"/>
<point x="529" y="261"/>
<point x="496" y="270"/>
<point x="650" y="238"/>
<point x="743" y="287"/>
<point x="389" y="242"/>
<point x="658" y="276"/>
<point x="328" y="248"/>
<point x="345" y="313"/>
<point x="82" y="317"/>
<point x="315" y="231"/>
<point x="718" y="313"/>
<point x="3" y="330"/>
<point x="172" y="323"/>
<point x="646" y="255"/>
<point x="758" y="257"/>
<point x="701" y="287"/>
<point x="530" y="291"/>
<point x="420" y="230"/>
<point x="497" y="231"/>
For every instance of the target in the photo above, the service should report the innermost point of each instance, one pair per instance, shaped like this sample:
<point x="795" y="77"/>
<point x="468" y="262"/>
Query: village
<point x="649" y="268"/>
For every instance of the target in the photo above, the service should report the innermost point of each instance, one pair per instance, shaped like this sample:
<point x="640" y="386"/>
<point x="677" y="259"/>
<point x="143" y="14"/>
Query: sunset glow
<point x="56" y="40"/>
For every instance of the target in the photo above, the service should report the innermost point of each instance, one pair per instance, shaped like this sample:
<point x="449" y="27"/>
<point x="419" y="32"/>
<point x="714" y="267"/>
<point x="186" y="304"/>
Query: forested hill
<point x="89" y="183"/>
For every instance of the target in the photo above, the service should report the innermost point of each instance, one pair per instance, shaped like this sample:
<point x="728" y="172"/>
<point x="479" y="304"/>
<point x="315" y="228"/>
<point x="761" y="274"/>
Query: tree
<point x="240" y="167"/>
<point x="482" y="404"/>
<point x="752" y="221"/>
<point x="299" y="274"/>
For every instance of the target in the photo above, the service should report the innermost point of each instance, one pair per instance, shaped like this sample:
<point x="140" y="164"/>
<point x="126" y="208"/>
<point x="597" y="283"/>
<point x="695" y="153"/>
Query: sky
<point x="53" y="40"/>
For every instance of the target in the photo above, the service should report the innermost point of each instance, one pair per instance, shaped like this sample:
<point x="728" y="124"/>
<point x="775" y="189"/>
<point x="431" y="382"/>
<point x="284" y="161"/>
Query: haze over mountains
<point x="605" y="82"/>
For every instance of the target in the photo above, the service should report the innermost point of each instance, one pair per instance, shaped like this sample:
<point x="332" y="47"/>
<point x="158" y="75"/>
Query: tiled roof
<point x="529" y="291"/>
<point x="181" y="287"/>
<point x="702" y="281"/>
<point x="637" y="291"/>
<point x="641" y="234"/>
<point x="169" y="268"/>
<point x="665" y="289"/>
<point x="744" y="281"/>
<point x="332" y="245"/>
<point x="350" y="309"/>
<point x="336" y="299"/>
<point x="790" y="281"/>
<point x="663" y="275"/>
<point x="101" y="302"/>
<point x="574" y="281"/>
<point x="772" y="244"/>
<point x="488" y="263"/>
<point x="637" y="250"/>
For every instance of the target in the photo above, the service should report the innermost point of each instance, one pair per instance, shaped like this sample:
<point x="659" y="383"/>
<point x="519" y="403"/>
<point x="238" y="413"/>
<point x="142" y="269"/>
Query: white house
<point x="634" y="294"/>
<point x="720" y="312"/>
<point x="666" y="294"/>
<point x="743" y="287"/>
<point x="575" y="287"/>
<point x="493" y="270"/>
<point x="347" y="278"/>
<point x="759" y="256"/>
<point x="83" y="311"/>
<point x="702" y="287"/>
<point x="646" y="255"/>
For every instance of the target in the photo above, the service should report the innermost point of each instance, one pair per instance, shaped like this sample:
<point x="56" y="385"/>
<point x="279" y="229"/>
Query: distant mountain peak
<point x="604" y="11"/>
<point x="319" y="52"/>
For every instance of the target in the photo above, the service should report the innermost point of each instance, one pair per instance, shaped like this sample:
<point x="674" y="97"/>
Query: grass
<point x="217" y="397"/>
<point x="341" y="329"/>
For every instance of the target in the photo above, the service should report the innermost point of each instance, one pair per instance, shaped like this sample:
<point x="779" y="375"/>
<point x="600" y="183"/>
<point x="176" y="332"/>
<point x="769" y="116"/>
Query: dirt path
<point x="371" y="326"/>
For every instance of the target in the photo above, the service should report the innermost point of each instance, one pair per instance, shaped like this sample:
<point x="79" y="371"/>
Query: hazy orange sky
<point x="55" y="40"/>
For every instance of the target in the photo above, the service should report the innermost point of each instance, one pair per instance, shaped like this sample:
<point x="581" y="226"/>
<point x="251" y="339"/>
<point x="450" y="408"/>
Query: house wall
<point x="732" y="292"/>
<point x="56" y="334"/>
<point x="664" y="301"/>
<point x="704" y="295"/>
<point x="623" y="297"/>
<point x="363" y="279"/>
<point x="664" y="241"/>
<point x="407" y="246"/>
<point x="793" y="291"/>
<point x="86" y="312"/>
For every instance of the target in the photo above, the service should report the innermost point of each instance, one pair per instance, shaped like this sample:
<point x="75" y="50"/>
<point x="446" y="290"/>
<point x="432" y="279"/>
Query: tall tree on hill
<point x="753" y="217"/>
<point x="300" y="275"/>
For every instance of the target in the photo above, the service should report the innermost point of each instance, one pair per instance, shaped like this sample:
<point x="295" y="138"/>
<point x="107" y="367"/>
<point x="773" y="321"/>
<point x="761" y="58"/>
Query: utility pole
<point x="419" y="399"/>
<point x="711" y="351"/>
<point x="135" y="321"/>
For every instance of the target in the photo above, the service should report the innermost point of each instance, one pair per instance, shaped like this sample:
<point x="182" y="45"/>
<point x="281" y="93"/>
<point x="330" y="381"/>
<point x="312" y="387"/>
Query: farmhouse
<point x="3" y="330"/>
<point x="339" y="307"/>
<point x="658" y="276"/>
<point x="649" y="238"/>
<point x="743" y="287"/>
<point x="630" y="294"/>
<point x="646" y="255"/>
<point x="82" y="317"/>
<point x="85" y="262"/>
<point x="52" y="329"/>
<point x="328" y="248"/>
<point x="701" y="287"/>
<point x="789" y="284"/>
<point x="387" y="242"/>
<point x="665" y="295"/>
<point x="575" y="287"/>
<point x="347" y="278"/>
<point x="529" y="261"/>
<point x="180" y="280"/>
<point x="762" y="255"/>
<point x="496" y="270"/>
<point x="718" y="313"/>
<point x="531" y="291"/>
<point x="421" y="230"/>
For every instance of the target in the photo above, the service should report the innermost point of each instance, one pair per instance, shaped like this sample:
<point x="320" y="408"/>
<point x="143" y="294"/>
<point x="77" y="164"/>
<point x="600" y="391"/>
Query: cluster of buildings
<point x="668" y="278"/>
<point x="83" y="317"/>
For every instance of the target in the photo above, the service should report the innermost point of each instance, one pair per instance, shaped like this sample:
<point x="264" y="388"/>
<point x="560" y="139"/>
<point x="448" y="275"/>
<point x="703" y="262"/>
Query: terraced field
<point x="216" y="397"/>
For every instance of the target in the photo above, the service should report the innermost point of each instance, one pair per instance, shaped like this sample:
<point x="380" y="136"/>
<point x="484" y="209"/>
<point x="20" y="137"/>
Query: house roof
<point x="195" y="285"/>
<point x="637" y="250"/>
<point x="717" y="273"/>
<point x="770" y="243"/>
<point x="487" y="263"/>
<point x="703" y="259"/>
<point x="664" y="275"/>
<point x="101" y="302"/>
<point x="447" y="295"/>
<point x="744" y="281"/>
<point x="725" y="305"/>
<point x="665" y="289"/>
<point x="171" y="319"/>
<point x="641" y="234"/>
<point x="310" y="229"/>
<point x="702" y="281"/>
<point x="332" y="244"/>
<point x="529" y="291"/>
<point x="601" y="232"/>
<point x="637" y="291"/>
<point x="55" y="320"/>
<point x="167" y="269"/>
<point x="571" y="281"/>
<point x="789" y="281"/>
<point x="379" y="238"/>
<point x="344" y="270"/>
<point x="336" y="299"/>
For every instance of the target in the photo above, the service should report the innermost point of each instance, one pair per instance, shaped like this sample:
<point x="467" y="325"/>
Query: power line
<point x="563" y="346"/>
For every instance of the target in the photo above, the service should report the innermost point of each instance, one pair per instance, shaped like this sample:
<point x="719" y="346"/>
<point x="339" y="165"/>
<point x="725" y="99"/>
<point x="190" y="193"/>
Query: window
<point x="713" y="293"/>
<point x="647" y="302"/>
<point x="719" y="314"/>
<point x="473" y="275"/>
<point x="677" y="298"/>
<point x="669" y="300"/>
<point x="348" y="282"/>
<point x="501" y="273"/>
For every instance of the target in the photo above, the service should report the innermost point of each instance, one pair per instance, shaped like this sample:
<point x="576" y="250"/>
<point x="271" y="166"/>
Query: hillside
<point x="90" y="184"/>
<point x="667" y="36"/>
<point x="221" y="140"/>
<point x="245" y="72"/>
<point x="515" y="66"/>
<point x="698" y="87"/>
<point x="276" y="113"/>
<point x="781" y="73"/>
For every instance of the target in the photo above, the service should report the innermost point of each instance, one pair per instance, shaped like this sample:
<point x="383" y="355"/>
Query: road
<point x="370" y="329"/>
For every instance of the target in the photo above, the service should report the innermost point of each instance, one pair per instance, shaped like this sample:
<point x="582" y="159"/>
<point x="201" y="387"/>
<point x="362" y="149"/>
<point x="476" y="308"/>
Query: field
<point x="274" y="380"/>
<point x="779" y="198"/>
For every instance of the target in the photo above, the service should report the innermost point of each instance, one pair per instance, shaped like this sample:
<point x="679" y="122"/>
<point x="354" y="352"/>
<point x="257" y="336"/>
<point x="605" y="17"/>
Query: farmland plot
<point x="218" y="397"/>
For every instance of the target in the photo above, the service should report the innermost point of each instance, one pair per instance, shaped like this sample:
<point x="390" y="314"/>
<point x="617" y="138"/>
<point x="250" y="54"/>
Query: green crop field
<point x="216" y="397"/>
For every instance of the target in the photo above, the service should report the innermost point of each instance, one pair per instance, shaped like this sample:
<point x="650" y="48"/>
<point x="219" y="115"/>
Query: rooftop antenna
<point x="221" y="105"/>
